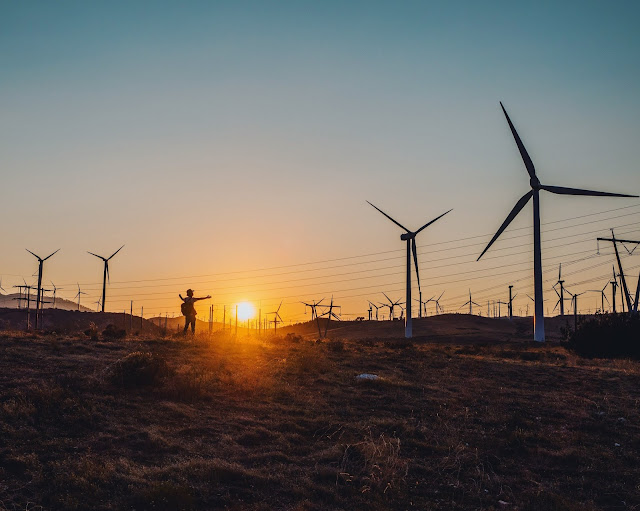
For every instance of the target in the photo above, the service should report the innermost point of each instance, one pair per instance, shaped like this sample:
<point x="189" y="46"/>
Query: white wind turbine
<point x="536" y="186"/>
<point x="410" y="238"/>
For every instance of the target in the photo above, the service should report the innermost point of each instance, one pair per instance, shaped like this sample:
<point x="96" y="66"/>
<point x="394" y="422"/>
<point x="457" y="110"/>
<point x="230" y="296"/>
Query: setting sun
<point x="246" y="311"/>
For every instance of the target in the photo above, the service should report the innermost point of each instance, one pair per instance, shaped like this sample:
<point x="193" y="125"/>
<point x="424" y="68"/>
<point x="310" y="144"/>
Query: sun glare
<point x="246" y="311"/>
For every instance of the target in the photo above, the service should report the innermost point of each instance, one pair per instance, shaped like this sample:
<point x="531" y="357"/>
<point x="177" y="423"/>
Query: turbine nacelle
<point x="408" y="236"/>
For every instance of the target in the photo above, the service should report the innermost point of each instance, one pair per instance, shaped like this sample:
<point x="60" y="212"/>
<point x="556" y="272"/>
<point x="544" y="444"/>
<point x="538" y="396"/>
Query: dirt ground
<point x="283" y="423"/>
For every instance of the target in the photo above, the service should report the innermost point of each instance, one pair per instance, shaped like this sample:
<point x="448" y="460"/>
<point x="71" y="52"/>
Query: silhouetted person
<point x="189" y="311"/>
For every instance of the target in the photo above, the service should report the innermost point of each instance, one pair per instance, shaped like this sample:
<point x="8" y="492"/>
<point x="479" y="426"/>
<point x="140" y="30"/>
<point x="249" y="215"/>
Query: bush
<point x="92" y="331"/>
<point x="138" y="369"/>
<point x="113" y="332"/>
<point x="335" y="345"/>
<point x="607" y="336"/>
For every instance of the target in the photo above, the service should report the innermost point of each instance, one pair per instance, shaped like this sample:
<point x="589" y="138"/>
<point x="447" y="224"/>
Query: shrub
<point x="375" y="462"/>
<point x="138" y="369"/>
<point x="607" y="336"/>
<point x="335" y="345"/>
<point x="113" y="332"/>
<point x="92" y="331"/>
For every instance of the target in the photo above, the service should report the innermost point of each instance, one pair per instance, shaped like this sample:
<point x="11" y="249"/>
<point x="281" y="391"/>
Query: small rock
<point x="367" y="376"/>
<point x="503" y="503"/>
<point x="617" y="444"/>
<point x="622" y="420"/>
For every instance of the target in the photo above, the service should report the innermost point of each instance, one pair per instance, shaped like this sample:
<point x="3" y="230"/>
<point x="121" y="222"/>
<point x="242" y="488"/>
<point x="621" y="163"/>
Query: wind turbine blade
<point x="51" y="255"/>
<point x="116" y="252"/>
<point x="440" y="296"/>
<point x="514" y="212"/>
<point x="96" y="255"/>
<point x="477" y="304"/>
<point x="106" y="265"/>
<point x="560" y="272"/>
<point x="562" y="190"/>
<point x="397" y="223"/>
<point x="385" y="294"/>
<point x="37" y="257"/>
<point x="533" y="299"/>
<point x="523" y="152"/>
<point x="278" y="309"/>
<point x="557" y="303"/>
<point x="437" y="218"/>
<point x="415" y="262"/>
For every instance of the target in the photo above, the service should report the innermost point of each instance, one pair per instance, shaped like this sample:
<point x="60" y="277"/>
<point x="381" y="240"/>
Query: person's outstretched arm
<point x="203" y="298"/>
<point x="181" y="297"/>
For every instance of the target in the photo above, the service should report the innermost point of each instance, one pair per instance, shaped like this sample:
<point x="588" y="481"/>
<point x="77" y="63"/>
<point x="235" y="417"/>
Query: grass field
<point x="283" y="423"/>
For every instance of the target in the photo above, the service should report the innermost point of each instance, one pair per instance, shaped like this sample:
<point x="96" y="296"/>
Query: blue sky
<point x="195" y="132"/>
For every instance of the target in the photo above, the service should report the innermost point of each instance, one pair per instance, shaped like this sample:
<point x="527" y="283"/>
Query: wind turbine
<point x="54" y="294"/>
<point x="423" y="305"/>
<point x="574" y="304"/>
<point x="3" y="289"/>
<point x="314" y="312"/>
<point x="98" y="308"/>
<point x="536" y="186"/>
<point x="40" y="267"/>
<point x="276" y="318"/>
<point x="561" y="293"/>
<point x="410" y="238"/>
<point x="391" y="306"/>
<point x="78" y="296"/>
<point x="470" y="303"/>
<point x="329" y="315"/>
<point x="376" y="307"/>
<point x="603" y="297"/>
<point x="437" y="302"/>
<point x="105" y="276"/>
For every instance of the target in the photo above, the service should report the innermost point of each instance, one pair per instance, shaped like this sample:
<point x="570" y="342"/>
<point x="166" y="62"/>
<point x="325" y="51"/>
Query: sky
<point x="231" y="146"/>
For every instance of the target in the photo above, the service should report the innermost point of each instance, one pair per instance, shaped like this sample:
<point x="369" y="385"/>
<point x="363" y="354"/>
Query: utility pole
<point x="224" y="317"/>
<point x="131" y="317"/>
<point x="625" y="290"/>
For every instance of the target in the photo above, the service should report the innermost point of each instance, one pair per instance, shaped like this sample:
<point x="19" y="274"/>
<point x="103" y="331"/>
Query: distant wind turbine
<point x="40" y="267"/>
<point x="603" y="296"/>
<point x="78" y="295"/>
<point x="276" y="318"/>
<point x="470" y="303"/>
<point x="410" y="238"/>
<point x="376" y="307"/>
<point x="105" y="276"/>
<point x="438" y="306"/>
<point x="536" y="186"/>
<point x="391" y="305"/>
<point x="54" y="294"/>
<point x="1" y="288"/>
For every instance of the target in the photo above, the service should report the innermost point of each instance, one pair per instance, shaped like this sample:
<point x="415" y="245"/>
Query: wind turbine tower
<point x="536" y="186"/>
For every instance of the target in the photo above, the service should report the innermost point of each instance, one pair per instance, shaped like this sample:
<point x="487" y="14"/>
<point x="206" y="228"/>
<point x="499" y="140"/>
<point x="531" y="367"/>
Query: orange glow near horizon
<point x="246" y="311"/>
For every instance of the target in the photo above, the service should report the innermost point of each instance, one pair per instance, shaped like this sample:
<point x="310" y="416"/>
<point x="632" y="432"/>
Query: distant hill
<point x="10" y="301"/>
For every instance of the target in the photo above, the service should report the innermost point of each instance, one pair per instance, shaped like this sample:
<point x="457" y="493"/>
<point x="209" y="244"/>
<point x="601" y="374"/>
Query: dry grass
<point x="282" y="423"/>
